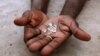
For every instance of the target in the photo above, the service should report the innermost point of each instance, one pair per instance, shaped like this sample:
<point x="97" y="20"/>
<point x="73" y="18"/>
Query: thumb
<point x="33" y="17"/>
<point x="21" y="21"/>
<point x="79" y="33"/>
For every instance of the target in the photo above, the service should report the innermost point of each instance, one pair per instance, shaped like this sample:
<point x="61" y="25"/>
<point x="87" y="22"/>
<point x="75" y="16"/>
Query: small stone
<point x="52" y="27"/>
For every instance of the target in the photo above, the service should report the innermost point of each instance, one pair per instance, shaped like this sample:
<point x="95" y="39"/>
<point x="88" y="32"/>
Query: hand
<point x="31" y="20"/>
<point x="66" y="26"/>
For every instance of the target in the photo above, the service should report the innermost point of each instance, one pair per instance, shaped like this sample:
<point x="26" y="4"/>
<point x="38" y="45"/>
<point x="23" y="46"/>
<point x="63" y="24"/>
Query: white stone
<point x="52" y="27"/>
<point x="11" y="36"/>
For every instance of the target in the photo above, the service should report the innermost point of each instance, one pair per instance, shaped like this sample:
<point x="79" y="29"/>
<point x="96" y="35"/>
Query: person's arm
<point x="39" y="5"/>
<point x="73" y="7"/>
<point x="33" y="17"/>
<point x="36" y="5"/>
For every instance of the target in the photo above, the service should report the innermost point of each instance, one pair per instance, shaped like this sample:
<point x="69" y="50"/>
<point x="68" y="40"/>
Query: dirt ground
<point x="11" y="36"/>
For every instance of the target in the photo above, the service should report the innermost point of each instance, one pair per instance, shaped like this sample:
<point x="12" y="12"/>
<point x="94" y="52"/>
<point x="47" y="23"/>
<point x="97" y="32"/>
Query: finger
<point x="21" y="21"/>
<point x="33" y="17"/>
<point x="29" y="42"/>
<point x="79" y="33"/>
<point x="55" y="43"/>
<point x="30" y="32"/>
<point x="37" y="45"/>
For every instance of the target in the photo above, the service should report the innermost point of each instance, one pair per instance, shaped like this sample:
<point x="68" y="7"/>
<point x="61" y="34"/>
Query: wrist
<point x="70" y="16"/>
<point x="73" y="8"/>
<point x="40" y="5"/>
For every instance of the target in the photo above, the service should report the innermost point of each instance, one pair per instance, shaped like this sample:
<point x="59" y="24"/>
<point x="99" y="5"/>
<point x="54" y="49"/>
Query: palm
<point x="38" y="37"/>
<point x="31" y="20"/>
<point x="65" y="27"/>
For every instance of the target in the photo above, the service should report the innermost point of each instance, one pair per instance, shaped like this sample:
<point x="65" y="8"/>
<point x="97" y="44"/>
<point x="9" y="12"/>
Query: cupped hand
<point x="47" y="42"/>
<point x="31" y="20"/>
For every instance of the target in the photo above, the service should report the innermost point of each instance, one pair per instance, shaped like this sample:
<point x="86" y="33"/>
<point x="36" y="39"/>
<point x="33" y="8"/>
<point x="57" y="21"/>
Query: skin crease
<point x="31" y="20"/>
<point x="66" y="27"/>
<point x="35" y="21"/>
<point x="40" y="5"/>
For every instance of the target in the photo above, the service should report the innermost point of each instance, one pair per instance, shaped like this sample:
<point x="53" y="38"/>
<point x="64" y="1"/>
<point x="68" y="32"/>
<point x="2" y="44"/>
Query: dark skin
<point x="40" y="5"/>
<point x="36" y="21"/>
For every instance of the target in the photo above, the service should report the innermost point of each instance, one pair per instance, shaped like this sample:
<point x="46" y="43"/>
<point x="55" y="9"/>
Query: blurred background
<point x="11" y="36"/>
